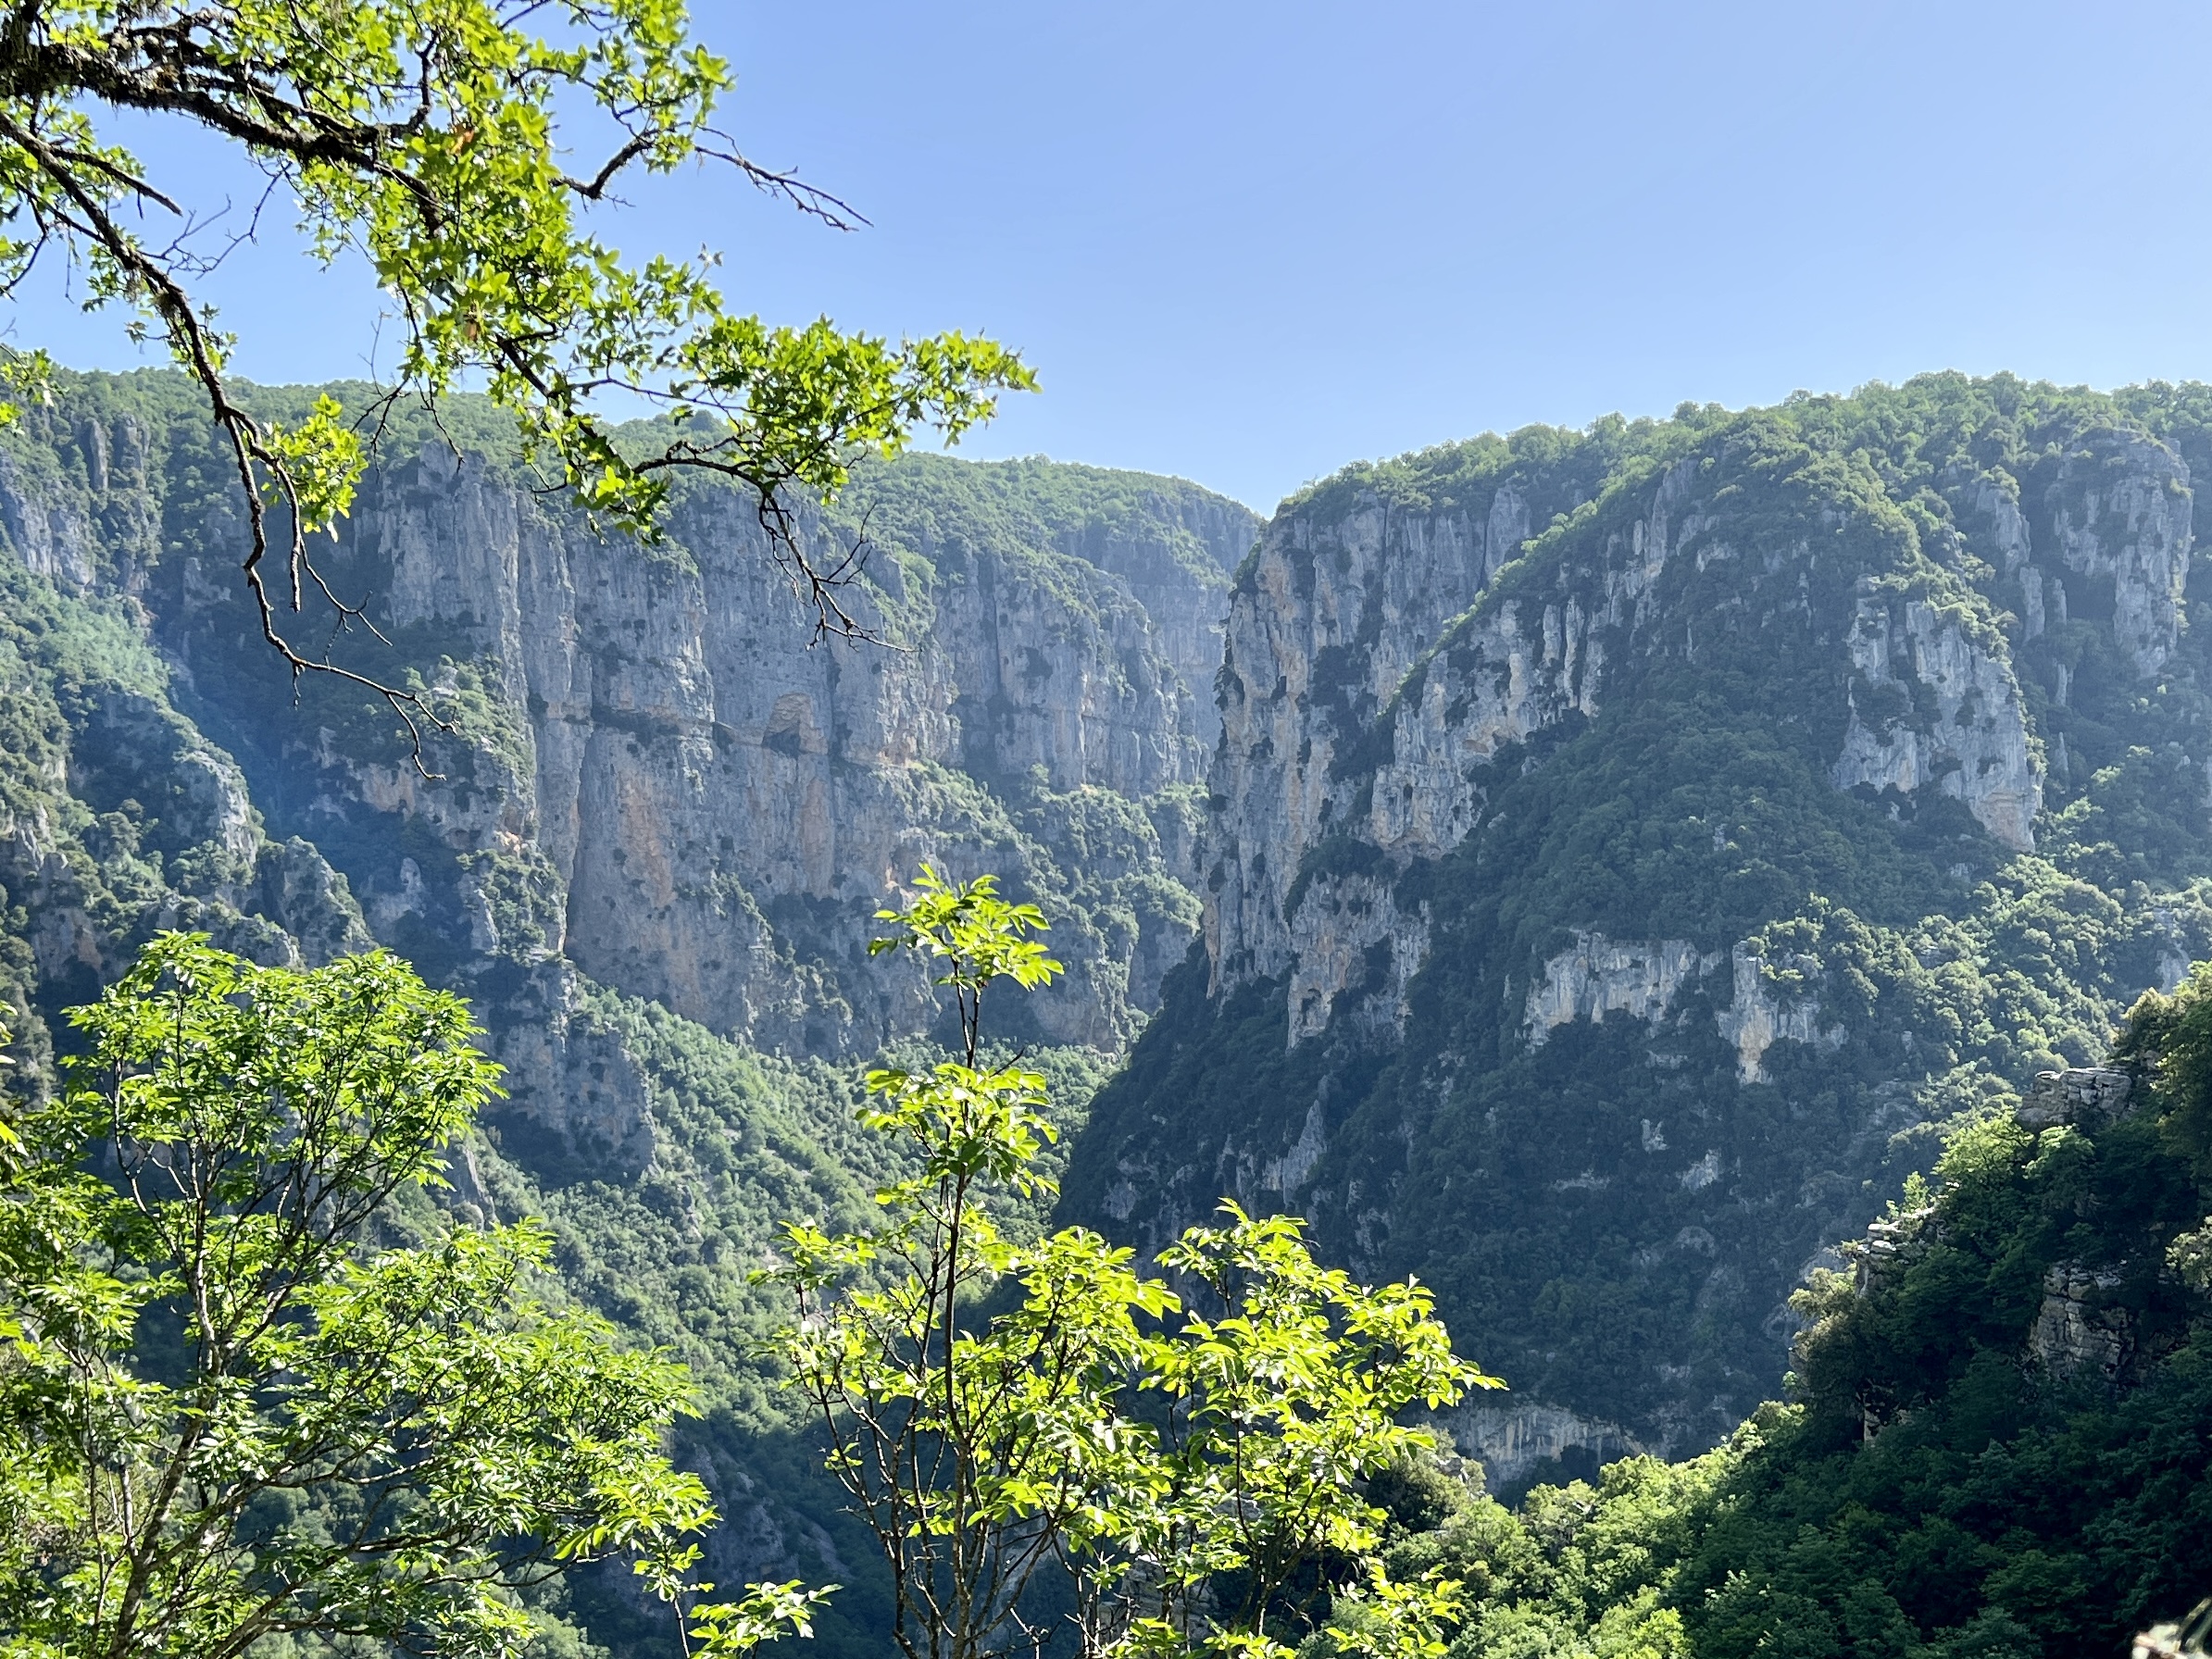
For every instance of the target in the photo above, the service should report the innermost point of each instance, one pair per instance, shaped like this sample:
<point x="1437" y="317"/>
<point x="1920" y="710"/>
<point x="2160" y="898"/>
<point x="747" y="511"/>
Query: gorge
<point x="1602" y="921"/>
<point x="1593" y="871"/>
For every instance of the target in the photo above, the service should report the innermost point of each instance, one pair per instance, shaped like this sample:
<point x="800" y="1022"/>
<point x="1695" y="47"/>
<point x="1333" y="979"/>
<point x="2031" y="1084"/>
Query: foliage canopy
<point x="1031" y="1428"/>
<point x="226" y="1413"/>
<point x="1997" y="1447"/>
<point x="435" y="141"/>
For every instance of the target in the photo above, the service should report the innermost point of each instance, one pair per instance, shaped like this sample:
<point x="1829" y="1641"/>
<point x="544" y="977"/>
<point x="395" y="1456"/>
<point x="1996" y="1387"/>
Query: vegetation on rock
<point x="1995" y="1441"/>
<point x="1606" y="943"/>
<point x="1559" y="1106"/>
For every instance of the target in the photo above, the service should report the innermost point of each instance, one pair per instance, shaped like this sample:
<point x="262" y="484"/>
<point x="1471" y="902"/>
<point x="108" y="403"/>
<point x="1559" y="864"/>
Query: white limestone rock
<point x="2080" y="1331"/>
<point x="1511" y="1440"/>
<point x="1350" y="941"/>
<point x="1756" y="1019"/>
<point x="1332" y="617"/>
<point x="721" y="802"/>
<point x="2122" y="509"/>
<point x="1998" y="496"/>
<point x="1596" y="976"/>
<point x="1974" y="749"/>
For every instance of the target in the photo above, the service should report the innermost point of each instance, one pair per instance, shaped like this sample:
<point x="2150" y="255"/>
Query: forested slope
<point x="1626" y="857"/>
<point x="1995" y="1445"/>
<point x="1633" y="846"/>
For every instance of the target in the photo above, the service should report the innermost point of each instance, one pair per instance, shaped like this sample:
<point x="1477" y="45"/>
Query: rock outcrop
<point x="1325" y="621"/>
<point x="1893" y="1242"/>
<point x="1518" y="1443"/>
<point x="2089" y="1095"/>
<point x="1974" y="749"/>
<point x="1597" y="976"/>
<point x="1756" y="1018"/>
<point x="2121" y="511"/>
<point x="2081" y="1330"/>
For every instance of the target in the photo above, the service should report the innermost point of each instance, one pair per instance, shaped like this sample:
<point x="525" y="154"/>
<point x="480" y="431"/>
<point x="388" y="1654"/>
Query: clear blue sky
<point x="1249" y="243"/>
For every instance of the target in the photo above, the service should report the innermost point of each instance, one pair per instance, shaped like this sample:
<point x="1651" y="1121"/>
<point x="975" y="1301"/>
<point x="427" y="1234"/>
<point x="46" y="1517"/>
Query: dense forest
<point x="1993" y="1444"/>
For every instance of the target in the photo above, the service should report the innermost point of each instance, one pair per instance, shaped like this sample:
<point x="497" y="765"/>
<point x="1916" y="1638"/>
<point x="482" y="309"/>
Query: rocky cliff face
<point x="1327" y="619"/>
<point x="1619" y="854"/>
<point x="1388" y="747"/>
<point x="649" y="849"/>
<point x="720" y="806"/>
<point x="658" y="776"/>
<point x="1624" y="840"/>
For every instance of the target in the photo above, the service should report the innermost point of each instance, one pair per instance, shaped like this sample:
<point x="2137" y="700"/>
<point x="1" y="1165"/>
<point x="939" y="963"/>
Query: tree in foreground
<point x="224" y="1415"/>
<point x="456" y="146"/>
<point x="1045" y="1440"/>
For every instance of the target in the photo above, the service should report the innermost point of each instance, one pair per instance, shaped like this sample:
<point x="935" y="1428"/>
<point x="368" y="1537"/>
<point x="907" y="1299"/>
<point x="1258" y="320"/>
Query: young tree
<point x="435" y="138"/>
<point x="225" y="1417"/>
<point x="1006" y="1413"/>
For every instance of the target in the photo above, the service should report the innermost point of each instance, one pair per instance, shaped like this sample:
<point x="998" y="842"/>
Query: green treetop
<point x="438" y="140"/>
<point x="226" y="1415"/>
<point x="1038" y="1431"/>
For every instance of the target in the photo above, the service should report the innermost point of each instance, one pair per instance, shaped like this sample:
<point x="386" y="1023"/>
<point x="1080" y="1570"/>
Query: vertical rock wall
<point x="659" y="774"/>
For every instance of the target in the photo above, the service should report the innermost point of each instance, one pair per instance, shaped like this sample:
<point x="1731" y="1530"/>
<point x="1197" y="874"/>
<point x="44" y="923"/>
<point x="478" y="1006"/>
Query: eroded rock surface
<point x="1624" y="840"/>
<point x="2088" y="1096"/>
<point x="2081" y="1330"/>
<point x="1974" y="749"/>
<point x="659" y="773"/>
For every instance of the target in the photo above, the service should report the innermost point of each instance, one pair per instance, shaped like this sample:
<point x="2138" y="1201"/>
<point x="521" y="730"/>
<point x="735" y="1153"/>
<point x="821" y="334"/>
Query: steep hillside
<point x="655" y="778"/>
<point x="652" y="850"/>
<point x="1629" y="843"/>
<point x="1997" y="1443"/>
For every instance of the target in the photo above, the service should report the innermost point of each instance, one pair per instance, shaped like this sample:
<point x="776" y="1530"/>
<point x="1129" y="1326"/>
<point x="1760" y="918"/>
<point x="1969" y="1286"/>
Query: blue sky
<point x="1248" y="243"/>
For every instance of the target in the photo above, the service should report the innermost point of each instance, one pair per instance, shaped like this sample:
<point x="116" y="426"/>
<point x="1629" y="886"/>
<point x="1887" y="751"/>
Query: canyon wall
<point x="649" y="848"/>
<point x="659" y="775"/>
<point x="1633" y="846"/>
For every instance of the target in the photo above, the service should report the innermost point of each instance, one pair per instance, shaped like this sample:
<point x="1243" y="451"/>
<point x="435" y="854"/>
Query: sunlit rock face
<point x="1975" y="747"/>
<point x="1596" y="976"/>
<point x="1325" y="622"/>
<point x="699" y="799"/>
<point x="1623" y="841"/>
<point x="659" y="771"/>
<point x="2121" y="509"/>
<point x="1337" y="642"/>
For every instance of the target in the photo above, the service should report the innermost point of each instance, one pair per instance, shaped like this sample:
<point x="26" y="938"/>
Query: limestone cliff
<point x="722" y="804"/>
<point x="649" y="849"/>
<point x="1625" y="840"/>
<point x="659" y="775"/>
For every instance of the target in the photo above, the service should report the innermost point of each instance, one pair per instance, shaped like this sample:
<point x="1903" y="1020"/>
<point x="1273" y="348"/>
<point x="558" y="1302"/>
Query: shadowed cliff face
<point x="1629" y="843"/>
